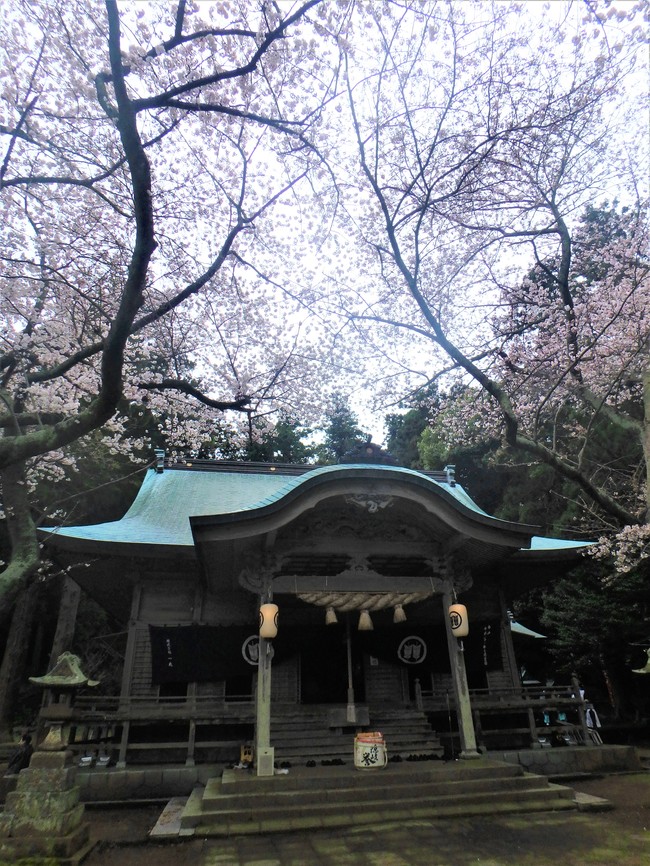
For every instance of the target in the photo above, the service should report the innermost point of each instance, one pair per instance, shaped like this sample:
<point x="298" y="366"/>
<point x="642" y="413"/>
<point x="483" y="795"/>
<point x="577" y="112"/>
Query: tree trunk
<point x="25" y="554"/>
<point x="646" y="440"/>
<point x="13" y="667"/>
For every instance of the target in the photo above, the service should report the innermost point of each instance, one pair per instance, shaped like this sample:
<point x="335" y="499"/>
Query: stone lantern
<point x="43" y="817"/>
<point x="60" y="686"/>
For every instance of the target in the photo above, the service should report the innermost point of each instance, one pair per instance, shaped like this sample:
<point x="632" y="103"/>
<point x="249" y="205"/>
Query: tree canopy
<point x="147" y="149"/>
<point x="240" y="206"/>
<point x="487" y="142"/>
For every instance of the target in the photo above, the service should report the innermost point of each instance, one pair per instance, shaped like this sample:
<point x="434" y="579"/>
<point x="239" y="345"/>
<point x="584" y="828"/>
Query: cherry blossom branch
<point x="102" y="407"/>
<point x="239" y="404"/>
<point x="183" y="39"/>
<point x="272" y="36"/>
<point x="174" y="302"/>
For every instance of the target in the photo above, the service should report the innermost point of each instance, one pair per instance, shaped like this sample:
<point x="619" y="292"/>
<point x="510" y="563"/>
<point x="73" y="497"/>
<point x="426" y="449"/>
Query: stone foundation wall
<point x="573" y="760"/>
<point x="161" y="782"/>
<point x="113" y="785"/>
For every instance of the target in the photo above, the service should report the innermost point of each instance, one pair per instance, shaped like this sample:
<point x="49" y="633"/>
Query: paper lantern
<point x="458" y="620"/>
<point x="268" y="621"/>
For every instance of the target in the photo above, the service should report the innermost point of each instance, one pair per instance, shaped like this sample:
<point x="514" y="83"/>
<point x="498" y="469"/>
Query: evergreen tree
<point x="403" y="433"/>
<point x="282" y="443"/>
<point x="599" y="629"/>
<point x="342" y="431"/>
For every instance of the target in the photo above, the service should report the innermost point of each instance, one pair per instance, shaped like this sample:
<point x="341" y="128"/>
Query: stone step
<point x="305" y="736"/>
<point x="382" y="810"/>
<point x="392" y="741"/>
<point x="321" y="798"/>
<point x="317" y="737"/>
<point x="392" y="744"/>
<point x="218" y="800"/>
<point x="343" y="746"/>
<point x="414" y="725"/>
<point x="333" y="778"/>
<point x="359" y="817"/>
<point x="396" y="714"/>
<point x="299" y="715"/>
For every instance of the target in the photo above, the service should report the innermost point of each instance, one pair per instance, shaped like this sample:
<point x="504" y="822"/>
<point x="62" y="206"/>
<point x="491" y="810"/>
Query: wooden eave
<point x="450" y="513"/>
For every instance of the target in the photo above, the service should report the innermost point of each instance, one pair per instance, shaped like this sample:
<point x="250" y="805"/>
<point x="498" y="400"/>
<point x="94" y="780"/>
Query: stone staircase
<point x="407" y="733"/>
<point x="340" y="796"/>
<point x="306" y="736"/>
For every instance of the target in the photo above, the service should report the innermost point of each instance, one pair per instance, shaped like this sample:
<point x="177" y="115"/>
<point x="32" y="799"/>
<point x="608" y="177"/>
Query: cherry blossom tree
<point x="154" y="158"/>
<point x="484" y="132"/>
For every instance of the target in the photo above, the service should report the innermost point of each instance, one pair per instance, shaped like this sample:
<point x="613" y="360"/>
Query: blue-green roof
<point x="161" y="511"/>
<point x="541" y="542"/>
<point x="160" y="514"/>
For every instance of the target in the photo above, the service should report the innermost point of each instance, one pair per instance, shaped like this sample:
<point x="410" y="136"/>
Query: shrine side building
<point x="363" y="560"/>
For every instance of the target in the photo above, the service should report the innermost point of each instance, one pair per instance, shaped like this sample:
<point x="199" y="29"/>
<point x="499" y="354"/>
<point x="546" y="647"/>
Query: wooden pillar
<point x="67" y="619"/>
<point x="191" y="744"/>
<point x="264" y="752"/>
<point x="127" y="673"/>
<point x="459" y="680"/>
<point x="532" y="726"/>
<point x="192" y="690"/>
<point x="582" y="712"/>
<point x="506" y="637"/>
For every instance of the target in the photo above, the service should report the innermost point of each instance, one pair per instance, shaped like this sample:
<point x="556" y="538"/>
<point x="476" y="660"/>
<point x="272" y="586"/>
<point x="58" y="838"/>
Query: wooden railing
<point x="554" y="713"/>
<point x="111" y="727"/>
<point x="185" y="727"/>
<point x="150" y="708"/>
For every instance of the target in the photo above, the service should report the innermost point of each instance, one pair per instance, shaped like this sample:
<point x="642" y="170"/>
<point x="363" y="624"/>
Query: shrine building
<point x="375" y="570"/>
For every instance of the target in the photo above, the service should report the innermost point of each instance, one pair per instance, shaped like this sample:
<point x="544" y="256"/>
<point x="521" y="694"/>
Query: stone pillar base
<point x="469" y="755"/>
<point x="68" y="850"/>
<point x="43" y="816"/>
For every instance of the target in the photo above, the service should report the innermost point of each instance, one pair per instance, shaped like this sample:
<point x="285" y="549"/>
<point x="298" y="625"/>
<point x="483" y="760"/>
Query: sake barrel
<point x="370" y="751"/>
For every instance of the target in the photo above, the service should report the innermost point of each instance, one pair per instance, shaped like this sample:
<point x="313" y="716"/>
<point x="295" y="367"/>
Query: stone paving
<point x="544" y="840"/>
<point x="616" y="838"/>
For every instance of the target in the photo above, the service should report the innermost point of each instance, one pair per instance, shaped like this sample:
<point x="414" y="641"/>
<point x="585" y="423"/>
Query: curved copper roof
<point x="171" y="503"/>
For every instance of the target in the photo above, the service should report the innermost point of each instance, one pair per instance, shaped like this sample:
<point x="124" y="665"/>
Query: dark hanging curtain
<point x="483" y="647"/>
<point x="421" y="648"/>
<point x="426" y="648"/>
<point x="199" y="653"/>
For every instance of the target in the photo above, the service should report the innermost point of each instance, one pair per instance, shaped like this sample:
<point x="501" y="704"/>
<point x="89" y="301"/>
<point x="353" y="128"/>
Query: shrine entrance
<point x="324" y="669"/>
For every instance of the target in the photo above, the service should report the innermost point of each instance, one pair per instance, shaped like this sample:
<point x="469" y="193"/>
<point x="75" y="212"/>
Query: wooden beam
<point x="298" y="583"/>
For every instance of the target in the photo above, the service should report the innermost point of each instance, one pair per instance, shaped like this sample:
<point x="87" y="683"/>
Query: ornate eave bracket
<point x="458" y="575"/>
<point x="258" y="573"/>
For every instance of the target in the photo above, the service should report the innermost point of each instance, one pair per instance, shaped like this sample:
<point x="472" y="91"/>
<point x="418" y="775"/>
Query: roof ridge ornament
<point x="160" y="459"/>
<point x="371" y="504"/>
<point x="368" y="452"/>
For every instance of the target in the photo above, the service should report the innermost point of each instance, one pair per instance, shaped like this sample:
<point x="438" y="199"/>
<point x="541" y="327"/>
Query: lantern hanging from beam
<point x="268" y="621"/>
<point x="458" y="620"/>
